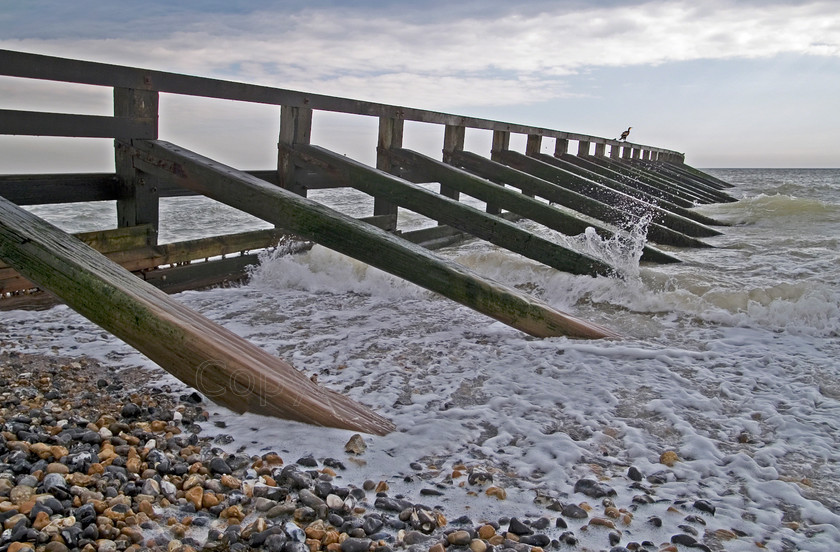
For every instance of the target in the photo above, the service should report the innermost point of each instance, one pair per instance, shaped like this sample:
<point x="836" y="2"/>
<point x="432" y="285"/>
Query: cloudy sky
<point x="730" y="83"/>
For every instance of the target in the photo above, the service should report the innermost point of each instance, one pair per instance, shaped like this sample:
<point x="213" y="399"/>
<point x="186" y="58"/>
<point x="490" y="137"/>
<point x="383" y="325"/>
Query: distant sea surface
<point x="731" y="358"/>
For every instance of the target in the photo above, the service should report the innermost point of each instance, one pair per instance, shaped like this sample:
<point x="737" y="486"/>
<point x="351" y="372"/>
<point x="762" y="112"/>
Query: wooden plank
<point x="43" y="189"/>
<point x="627" y="203"/>
<point x="663" y="201"/>
<point x="424" y="169"/>
<point x="695" y="193"/>
<point x="136" y="256"/>
<point x="364" y="242"/>
<point x="35" y="123"/>
<point x="676" y="194"/>
<point x="226" y="368"/>
<point x="20" y="64"/>
<point x="116" y="239"/>
<point x="48" y="189"/>
<point x="497" y="172"/>
<point x="448" y="211"/>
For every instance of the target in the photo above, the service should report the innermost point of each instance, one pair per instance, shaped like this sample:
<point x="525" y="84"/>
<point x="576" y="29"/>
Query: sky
<point x="729" y="83"/>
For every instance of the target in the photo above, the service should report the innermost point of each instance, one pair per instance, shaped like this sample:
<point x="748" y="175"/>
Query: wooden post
<point x="138" y="201"/>
<point x="295" y="128"/>
<point x="453" y="140"/>
<point x="390" y="136"/>
<point x="501" y="141"/>
<point x="637" y="153"/>
<point x="561" y="147"/>
<point x="583" y="148"/>
<point x="615" y="151"/>
<point x="600" y="149"/>
<point x="226" y="368"/>
<point x="626" y="152"/>
<point x="533" y="145"/>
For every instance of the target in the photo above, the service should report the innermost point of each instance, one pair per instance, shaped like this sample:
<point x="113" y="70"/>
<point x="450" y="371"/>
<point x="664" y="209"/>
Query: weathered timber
<point x="36" y="123"/>
<point x="46" y="189"/>
<point x="361" y="241"/>
<point x="712" y="180"/>
<point x="592" y="189"/>
<point x="43" y="189"/>
<point x="448" y="211"/>
<point x="663" y="203"/>
<point x="420" y="168"/>
<point x="128" y="248"/>
<point x="220" y="272"/>
<point x="503" y="174"/>
<point x="634" y="178"/>
<point x="669" y="173"/>
<point x="226" y="368"/>
<point x="676" y="171"/>
<point x="36" y="66"/>
<point x="698" y="194"/>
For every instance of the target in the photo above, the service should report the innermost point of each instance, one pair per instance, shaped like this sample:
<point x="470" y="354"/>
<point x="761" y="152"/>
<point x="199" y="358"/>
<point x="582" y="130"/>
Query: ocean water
<point x="730" y="359"/>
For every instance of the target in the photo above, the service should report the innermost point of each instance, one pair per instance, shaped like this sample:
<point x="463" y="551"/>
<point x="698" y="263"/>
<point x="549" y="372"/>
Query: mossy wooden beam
<point x="494" y="229"/>
<point x="503" y="174"/>
<point x="633" y="178"/>
<point x="421" y="168"/>
<point x="697" y="194"/>
<point x="226" y="368"/>
<point x="361" y="241"/>
<point x="663" y="201"/>
<point x="604" y="194"/>
<point x="712" y="180"/>
<point x="679" y="171"/>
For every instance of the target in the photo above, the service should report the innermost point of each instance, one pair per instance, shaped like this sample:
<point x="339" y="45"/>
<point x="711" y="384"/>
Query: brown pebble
<point x="41" y="520"/>
<point x="669" y="458"/>
<point x="602" y="522"/>
<point x="496" y="492"/>
<point x="210" y="499"/>
<point x="486" y="531"/>
<point x="437" y="547"/>
<point x="195" y="495"/>
<point x="381" y="487"/>
<point x="478" y="545"/>
<point x="58" y="467"/>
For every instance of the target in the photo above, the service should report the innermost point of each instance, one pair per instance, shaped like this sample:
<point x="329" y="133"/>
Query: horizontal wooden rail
<point x="36" y="66"/>
<point x="129" y="247"/>
<point x="36" y="123"/>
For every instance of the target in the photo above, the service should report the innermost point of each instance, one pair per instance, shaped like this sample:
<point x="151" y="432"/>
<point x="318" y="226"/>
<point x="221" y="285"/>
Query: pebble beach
<point x="95" y="458"/>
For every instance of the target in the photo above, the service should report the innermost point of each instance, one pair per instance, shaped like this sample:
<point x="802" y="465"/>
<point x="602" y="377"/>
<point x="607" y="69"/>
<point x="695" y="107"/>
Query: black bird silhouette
<point x="625" y="134"/>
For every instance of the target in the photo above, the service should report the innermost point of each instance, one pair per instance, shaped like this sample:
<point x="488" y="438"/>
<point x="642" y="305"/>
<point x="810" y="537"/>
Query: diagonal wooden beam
<point x="421" y="168"/>
<point x="225" y="367"/>
<point x="356" y="239"/>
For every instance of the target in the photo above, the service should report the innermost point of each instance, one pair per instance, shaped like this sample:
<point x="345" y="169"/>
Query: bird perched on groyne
<point x="625" y="134"/>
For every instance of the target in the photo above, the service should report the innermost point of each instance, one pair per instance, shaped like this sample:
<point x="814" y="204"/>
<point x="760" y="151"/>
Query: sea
<point x="730" y="359"/>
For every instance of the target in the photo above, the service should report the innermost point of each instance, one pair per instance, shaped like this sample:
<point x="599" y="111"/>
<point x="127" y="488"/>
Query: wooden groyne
<point x="568" y="193"/>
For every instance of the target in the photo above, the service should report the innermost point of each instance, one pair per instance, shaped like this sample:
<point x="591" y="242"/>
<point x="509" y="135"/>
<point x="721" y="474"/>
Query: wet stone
<point x="705" y="506"/>
<point x="683" y="539"/>
<point x="634" y="474"/>
<point x="593" y="489"/>
<point x="355" y="545"/>
<point x="218" y="466"/>
<point x="518" y="528"/>
<point x="574" y="511"/>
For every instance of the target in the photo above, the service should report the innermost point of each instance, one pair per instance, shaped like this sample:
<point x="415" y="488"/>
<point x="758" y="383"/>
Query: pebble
<point x="129" y="469"/>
